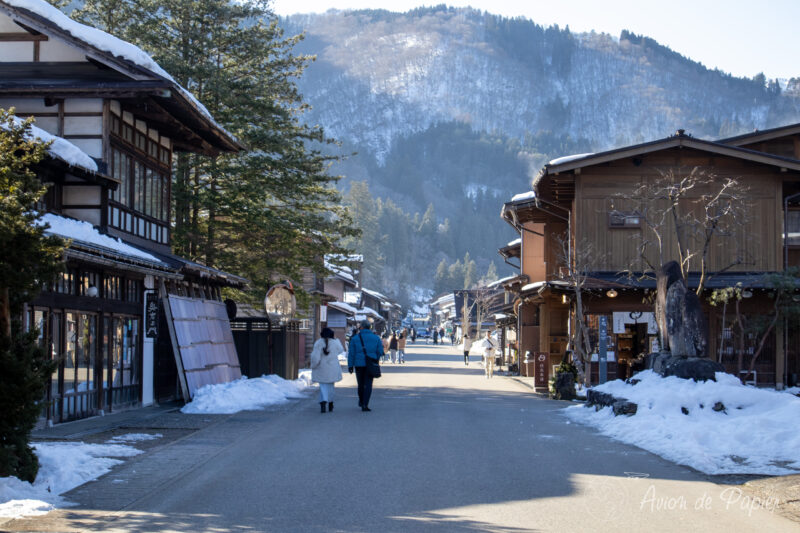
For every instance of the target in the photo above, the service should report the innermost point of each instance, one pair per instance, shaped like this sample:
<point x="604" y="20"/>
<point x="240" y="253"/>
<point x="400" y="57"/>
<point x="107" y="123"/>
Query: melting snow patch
<point x="247" y="394"/>
<point x="133" y="437"/>
<point x="62" y="467"/>
<point x="720" y="427"/>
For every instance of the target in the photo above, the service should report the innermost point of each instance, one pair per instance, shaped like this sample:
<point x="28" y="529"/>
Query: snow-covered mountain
<point x="381" y="75"/>
<point x="457" y="109"/>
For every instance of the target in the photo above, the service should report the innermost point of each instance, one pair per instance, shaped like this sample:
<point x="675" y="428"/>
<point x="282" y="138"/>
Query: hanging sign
<point x="151" y="315"/>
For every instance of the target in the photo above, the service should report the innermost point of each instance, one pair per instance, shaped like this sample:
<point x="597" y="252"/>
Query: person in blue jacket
<point x="356" y="354"/>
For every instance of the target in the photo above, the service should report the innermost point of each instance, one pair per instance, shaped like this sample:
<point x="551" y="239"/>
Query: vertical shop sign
<point x="542" y="374"/>
<point x="151" y="315"/>
<point x="602" y="353"/>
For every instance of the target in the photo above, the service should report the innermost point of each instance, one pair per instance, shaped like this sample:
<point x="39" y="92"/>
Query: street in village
<point x="444" y="449"/>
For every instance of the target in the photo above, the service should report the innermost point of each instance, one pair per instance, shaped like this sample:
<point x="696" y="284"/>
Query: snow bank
<point x="60" y="148"/>
<point x="755" y="434"/>
<point x="79" y="230"/>
<point x="247" y="394"/>
<point x="63" y="466"/>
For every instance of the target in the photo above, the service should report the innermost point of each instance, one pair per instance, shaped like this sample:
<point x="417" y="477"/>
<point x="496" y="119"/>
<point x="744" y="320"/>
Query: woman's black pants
<point x="364" y="386"/>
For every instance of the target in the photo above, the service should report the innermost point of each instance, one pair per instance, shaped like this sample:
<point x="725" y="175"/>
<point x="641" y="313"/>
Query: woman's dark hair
<point x="326" y="333"/>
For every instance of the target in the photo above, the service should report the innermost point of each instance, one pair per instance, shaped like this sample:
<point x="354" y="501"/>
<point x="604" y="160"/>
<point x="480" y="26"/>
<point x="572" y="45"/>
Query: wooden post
<point x="780" y="355"/>
<point x="5" y="312"/>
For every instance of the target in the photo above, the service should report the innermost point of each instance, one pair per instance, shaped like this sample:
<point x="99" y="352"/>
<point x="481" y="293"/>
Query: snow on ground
<point x="247" y="394"/>
<point x="133" y="437"/>
<point x="755" y="434"/>
<point x="62" y="467"/>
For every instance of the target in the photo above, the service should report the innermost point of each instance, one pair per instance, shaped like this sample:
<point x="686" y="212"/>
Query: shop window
<point x="133" y="290"/>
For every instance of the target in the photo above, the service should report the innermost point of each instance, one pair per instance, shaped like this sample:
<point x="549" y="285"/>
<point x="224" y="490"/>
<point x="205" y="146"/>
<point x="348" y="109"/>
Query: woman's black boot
<point x="330" y="406"/>
<point x="321" y="407"/>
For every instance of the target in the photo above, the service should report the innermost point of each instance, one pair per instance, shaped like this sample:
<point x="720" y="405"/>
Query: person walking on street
<point x="467" y="346"/>
<point x="413" y="335"/>
<point x="385" y="341"/>
<point x="393" y="347"/>
<point x="325" y="368"/>
<point x="488" y="354"/>
<point x="401" y="347"/>
<point x="365" y="344"/>
<point x="435" y="336"/>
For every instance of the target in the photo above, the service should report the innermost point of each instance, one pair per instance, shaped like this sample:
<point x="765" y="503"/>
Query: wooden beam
<point x="22" y="37"/>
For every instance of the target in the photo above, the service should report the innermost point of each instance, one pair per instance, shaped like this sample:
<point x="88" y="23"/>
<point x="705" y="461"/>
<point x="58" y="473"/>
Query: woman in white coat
<point x="325" y="368"/>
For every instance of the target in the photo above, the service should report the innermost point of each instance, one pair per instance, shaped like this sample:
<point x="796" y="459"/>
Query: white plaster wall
<point x="91" y="216"/>
<point x="148" y="359"/>
<point x="83" y="125"/>
<point x="56" y="50"/>
<point x="93" y="147"/>
<point x="81" y="195"/>
<point x="9" y="26"/>
<point x="76" y="105"/>
<point x="16" y="51"/>
<point x="27" y="105"/>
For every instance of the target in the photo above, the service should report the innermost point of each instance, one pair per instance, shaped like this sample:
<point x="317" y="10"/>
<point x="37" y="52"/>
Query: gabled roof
<point x="512" y="249"/>
<point x="105" y="49"/>
<point x="762" y="135"/>
<point x="679" y="140"/>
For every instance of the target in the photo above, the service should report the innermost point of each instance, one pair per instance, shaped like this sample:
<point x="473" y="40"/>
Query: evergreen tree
<point x="273" y="209"/>
<point x="470" y="272"/>
<point x="24" y="368"/>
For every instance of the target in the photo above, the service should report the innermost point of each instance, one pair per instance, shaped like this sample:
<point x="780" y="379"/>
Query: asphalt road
<point x="444" y="449"/>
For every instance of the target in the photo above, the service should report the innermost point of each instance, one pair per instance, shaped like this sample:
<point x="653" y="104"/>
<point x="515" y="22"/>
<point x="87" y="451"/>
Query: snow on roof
<point x="523" y="196"/>
<point x="341" y="306"/>
<point x="568" y="158"/>
<point x="514" y="242"/>
<point x="60" y="148"/>
<point x="370" y="312"/>
<point x="340" y="271"/>
<point x="107" y="43"/>
<point x="376" y="294"/>
<point x="531" y="286"/>
<point x="84" y="232"/>
<point x="499" y="281"/>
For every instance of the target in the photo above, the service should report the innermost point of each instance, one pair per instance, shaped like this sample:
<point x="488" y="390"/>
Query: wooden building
<point x="103" y="319"/>
<point x="588" y="202"/>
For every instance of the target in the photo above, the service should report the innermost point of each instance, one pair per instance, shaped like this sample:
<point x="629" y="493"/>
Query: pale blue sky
<point x="737" y="36"/>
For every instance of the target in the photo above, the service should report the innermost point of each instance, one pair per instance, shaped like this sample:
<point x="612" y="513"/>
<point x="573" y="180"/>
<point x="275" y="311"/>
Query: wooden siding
<point x="533" y="252"/>
<point x="609" y="187"/>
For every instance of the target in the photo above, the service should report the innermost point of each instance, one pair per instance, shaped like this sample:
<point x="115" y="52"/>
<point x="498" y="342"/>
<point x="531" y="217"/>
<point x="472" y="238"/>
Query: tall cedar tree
<point x="30" y="257"/>
<point x="272" y="209"/>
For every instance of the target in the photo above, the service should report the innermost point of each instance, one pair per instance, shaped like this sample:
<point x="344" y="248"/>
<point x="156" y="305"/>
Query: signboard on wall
<point x="151" y="315"/>
<point x="542" y="371"/>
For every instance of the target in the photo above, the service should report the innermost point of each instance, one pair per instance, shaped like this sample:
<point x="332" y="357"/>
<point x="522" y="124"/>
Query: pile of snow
<point x="134" y="437"/>
<point x="755" y="434"/>
<point x="62" y="467"/>
<point x="79" y="230"/>
<point x="60" y="148"/>
<point x="247" y="394"/>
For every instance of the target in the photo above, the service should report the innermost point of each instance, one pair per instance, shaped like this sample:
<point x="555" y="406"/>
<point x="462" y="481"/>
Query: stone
<point x="602" y="399"/>
<point x="684" y="410"/>
<point x="624" y="407"/>
<point x="564" y="386"/>
<point x="696" y="368"/>
<point x="719" y="406"/>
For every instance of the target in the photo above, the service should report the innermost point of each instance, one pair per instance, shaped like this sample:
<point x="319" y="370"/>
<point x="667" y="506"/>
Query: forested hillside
<point x="457" y="109"/>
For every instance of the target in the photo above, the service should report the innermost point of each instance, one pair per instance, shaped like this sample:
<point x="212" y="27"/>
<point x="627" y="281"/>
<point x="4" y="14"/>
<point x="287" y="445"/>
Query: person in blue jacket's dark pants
<point x="363" y="344"/>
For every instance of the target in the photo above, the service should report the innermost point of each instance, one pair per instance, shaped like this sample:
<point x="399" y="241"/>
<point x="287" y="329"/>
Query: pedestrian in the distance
<point x="401" y="347"/>
<point x="441" y="335"/>
<point x="325" y="368"/>
<point x="413" y="334"/>
<point x="385" y="341"/>
<point x="393" y="345"/>
<point x="488" y="354"/>
<point x="365" y="344"/>
<point x="466" y="347"/>
<point x="452" y="335"/>
<point x="435" y="336"/>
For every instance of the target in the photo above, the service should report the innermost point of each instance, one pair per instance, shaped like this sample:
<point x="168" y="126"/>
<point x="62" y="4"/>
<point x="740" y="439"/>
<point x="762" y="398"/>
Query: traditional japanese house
<point x="126" y="118"/>
<point x="589" y="202"/>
